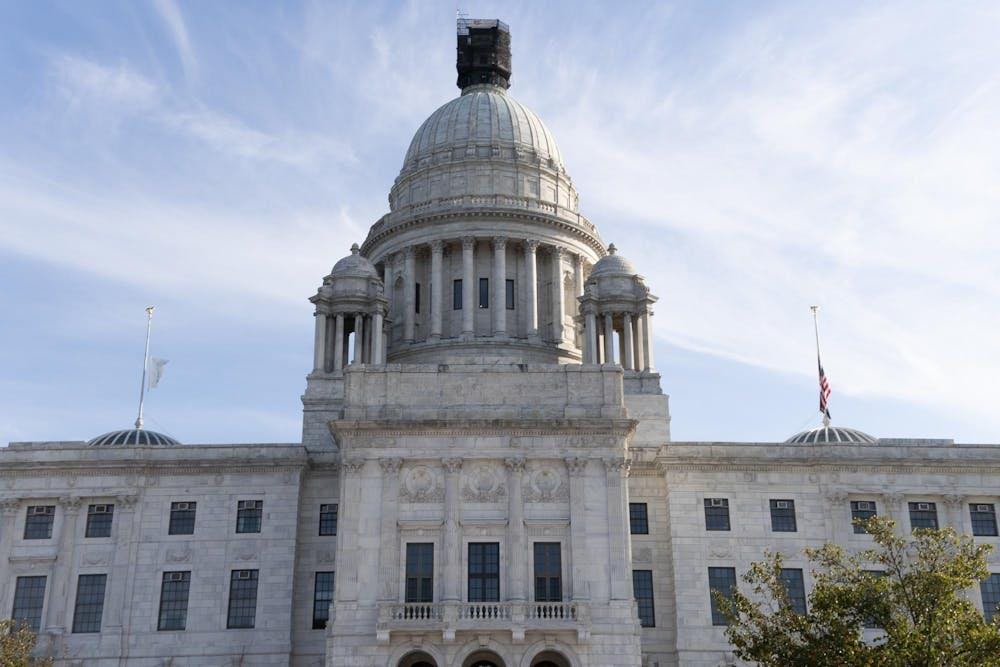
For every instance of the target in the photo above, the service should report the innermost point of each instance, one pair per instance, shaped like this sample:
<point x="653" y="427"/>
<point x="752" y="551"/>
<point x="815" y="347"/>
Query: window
<point x="242" y="599"/>
<point x="723" y="580"/>
<point x="484" y="572"/>
<point x="510" y="294"/>
<point x="38" y="523"/>
<point x="484" y="292"/>
<point x="783" y="516"/>
<point x="642" y="588"/>
<point x="99" y="520"/>
<point x="923" y="515"/>
<point x="984" y="519"/>
<point x="990" y="588"/>
<point x="420" y="572"/>
<point x="328" y="519"/>
<point x="416" y="297"/>
<point x="248" y="516"/>
<point x="322" y="597"/>
<point x="174" y="600"/>
<point x="456" y="295"/>
<point x="716" y="514"/>
<point x="29" y="597"/>
<point x="861" y="510"/>
<point x="89" y="603"/>
<point x="182" y="518"/>
<point x="637" y="519"/>
<point x="548" y="572"/>
<point x="795" y="587"/>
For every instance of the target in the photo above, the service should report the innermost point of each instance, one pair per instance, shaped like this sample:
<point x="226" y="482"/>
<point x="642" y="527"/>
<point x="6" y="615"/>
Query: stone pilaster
<point x="499" y="286"/>
<point x="468" y="286"/>
<point x="10" y="508"/>
<point x="59" y="597"/>
<point x="620" y="551"/>
<point x="517" y="577"/>
<point x="531" y="278"/>
<point x="389" y="540"/>
<point x="123" y="561"/>
<point x="346" y="588"/>
<point x="437" y="303"/>
<point x="955" y="504"/>
<point x="577" y="468"/>
<point x="452" y="539"/>
<point x="558" y="305"/>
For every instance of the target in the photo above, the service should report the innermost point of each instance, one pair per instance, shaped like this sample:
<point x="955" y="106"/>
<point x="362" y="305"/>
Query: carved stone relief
<point x="421" y="484"/>
<point x="546" y="484"/>
<point x="483" y="483"/>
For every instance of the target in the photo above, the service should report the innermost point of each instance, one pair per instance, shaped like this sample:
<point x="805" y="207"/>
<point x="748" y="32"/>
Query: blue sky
<point x="216" y="159"/>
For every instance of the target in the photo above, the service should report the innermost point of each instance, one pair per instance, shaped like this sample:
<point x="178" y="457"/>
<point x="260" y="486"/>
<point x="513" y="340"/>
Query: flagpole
<point x="815" y="310"/>
<point x="145" y="365"/>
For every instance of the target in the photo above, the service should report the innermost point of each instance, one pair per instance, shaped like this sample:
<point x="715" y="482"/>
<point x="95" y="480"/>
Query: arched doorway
<point x="417" y="659"/>
<point x="483" y="659"/>
<point x="549" y="659"/>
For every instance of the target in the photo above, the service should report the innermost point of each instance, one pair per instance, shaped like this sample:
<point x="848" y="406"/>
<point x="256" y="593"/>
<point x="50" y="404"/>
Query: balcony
<point x="451" y="617"/>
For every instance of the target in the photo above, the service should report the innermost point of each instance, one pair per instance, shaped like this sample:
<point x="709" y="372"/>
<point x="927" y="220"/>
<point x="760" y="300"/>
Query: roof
<point x="133" y="436"/>
<point x="354" y="265"/>
<point x="612" y="264"/>
<point x="828" y="434"/>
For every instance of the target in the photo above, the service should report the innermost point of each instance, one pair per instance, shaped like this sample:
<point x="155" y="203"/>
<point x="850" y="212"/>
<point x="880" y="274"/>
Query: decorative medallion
<point x="421" y="484"/>
<point x="546" y="484"/>
<point x="483" y="483"/>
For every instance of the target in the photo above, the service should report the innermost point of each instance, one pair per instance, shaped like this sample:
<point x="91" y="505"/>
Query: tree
<point x="17" y="641"/>
<point x="912" y="589"/>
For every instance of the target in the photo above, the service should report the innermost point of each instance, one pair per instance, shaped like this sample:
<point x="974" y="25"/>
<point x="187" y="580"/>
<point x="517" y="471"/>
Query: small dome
<point x="354" y="265"/>
<point x="612" y="264"/>
<point x="133" y="436"/>
<point x="828" y="434"/>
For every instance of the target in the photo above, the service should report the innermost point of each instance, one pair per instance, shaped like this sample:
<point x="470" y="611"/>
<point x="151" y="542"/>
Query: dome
<point x="354" y="265"/>
<point x="133" y="436"/>
<point x="612" y="264"/>
<point x="835" y="434"/>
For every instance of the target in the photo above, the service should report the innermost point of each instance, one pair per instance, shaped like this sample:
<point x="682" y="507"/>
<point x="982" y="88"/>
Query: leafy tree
<point x="912" y="589"/>
<point x="17" y="641"/>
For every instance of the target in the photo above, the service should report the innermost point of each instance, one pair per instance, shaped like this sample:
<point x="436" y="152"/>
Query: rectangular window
<point x="990" y="588"/>
<point x="416" y="297"/>
<point x="182" y="518"/>
<point x="642" y="589"/>
<point x="723" y="580"/>
<point x="923" y="515"/>
<point x="248" y="516"/>
<point x="29" y="598"/>
<point x="548" y="572"/>
<point x="484" y="572"/>
<point x="783" y="516"/>
<point x="638" y="519"/>
<point x="38" y="523"/>
<point x="984" y="519"/>
<point x="89" y="603"/>
<point x="242" y="599"/>
<point x="795" y="587"/>
<point x="322" y="597"/>
<point x="861" y="510"/>
<point x="174" y="600"/>
<point x="420" y="572"/>
<point x="99" y="518"/>
<point x="484" y="292"/>
<point x="456" y="294"/>
<point x="716" y="514"/>
<point x="328" y="519"/>
<point x="510" y="294"/>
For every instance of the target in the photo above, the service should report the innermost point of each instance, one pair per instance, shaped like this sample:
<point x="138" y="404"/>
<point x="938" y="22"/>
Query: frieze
<point x="545" y="484"/>
<point x="421" y="484"/>
<point x="483" y="483"/>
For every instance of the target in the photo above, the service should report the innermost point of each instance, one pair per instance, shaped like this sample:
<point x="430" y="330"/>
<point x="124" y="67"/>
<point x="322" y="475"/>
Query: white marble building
<point x="486" y="475"/>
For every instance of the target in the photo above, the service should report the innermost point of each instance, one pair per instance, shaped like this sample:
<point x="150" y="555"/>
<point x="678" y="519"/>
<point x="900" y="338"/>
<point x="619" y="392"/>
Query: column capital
<point x="409" y="251"/>
<point x="618" y="464"/>
<point x="577" y="260"/>
<point x="10" y="506"/>
<point x="70" y="504"/>
<point x="514" y="463"/>
<point x="391" y="466"/>
<point x="558" y="251"/>
<point x="531" y="245"/>
<point x="894" y="500"/>
<point x="836" y="497"/>
<point x="577" y="465"/>
<point x="437" y="246"/>
<point x="499" y="242"/>
<point x="127" y="501"/>
<point x="468" y="242"/>
<point x="354" y="465"/>
<point x="954" y="500"/>
<point x="452" y="465"/>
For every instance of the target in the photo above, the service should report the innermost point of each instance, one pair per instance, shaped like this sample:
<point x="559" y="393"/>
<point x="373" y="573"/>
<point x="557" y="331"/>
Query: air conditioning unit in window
<point x="984" y="508"/>
<point x="923" y="507"/>
<point x="243" y="574"/>
<point x="251" y="504"/>
<point x="718" y="502"/>
<point x="182" y="506"/>
<point x="101" y="509"/>
<point x="176" y="576"/>
<point x="781" y="504"/>
<point x="865" y="505"/>
<point x="41" y="510"/>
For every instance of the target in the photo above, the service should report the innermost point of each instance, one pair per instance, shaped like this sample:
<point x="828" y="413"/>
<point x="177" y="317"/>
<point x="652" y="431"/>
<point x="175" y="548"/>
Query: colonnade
<point x="635" y="340"/>
<point x="333" y="333"/>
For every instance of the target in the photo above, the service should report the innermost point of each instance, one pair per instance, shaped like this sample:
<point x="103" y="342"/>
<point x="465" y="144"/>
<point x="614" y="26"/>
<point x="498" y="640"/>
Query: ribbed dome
<point x="354" y="265"/>
<point x="828" y="434"/>
<point x="133" y="436"/>
<point x="612" y="264"/>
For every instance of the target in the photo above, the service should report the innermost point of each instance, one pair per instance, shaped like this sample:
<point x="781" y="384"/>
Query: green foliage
<point x="919" y="604"/>
<point x="17" y="641"/>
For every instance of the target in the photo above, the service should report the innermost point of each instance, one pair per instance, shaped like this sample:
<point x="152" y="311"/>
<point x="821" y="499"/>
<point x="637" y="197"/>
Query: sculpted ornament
<point x="546" y="485"/>
<point x="483" y="484"/>
<point x="390" y="466"/>
<point x="354" y="465"/>
<point x="420" y="484"/>
<point x="10" y="506"/>
<point x="576" y="465"/>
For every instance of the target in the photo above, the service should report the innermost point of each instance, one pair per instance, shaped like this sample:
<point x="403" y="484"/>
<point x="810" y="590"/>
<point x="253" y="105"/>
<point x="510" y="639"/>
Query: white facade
<point x="483" y="384"/>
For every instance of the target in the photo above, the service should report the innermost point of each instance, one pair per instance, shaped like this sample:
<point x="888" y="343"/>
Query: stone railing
<point x="452" y="617"/>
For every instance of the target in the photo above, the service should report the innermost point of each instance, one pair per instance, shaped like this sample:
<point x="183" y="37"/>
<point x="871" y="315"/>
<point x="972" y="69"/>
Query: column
<point x="647" y="340"/>
<point x="359" y="338"/>
<point x="388" y="278"/>
<point x="637" y="346"/>
<point x="437" y="252"/>
<point x="577" y="468"/>
<point x="499" y="286"/>
<point x="409" y="293"/>
<point x="956" y="512"/>
<point x="620" y="551"/>
<point x="319" y="351"/>
<point x="517" y="553"/>
<point x="468" y="278"/>
<point x="628" y="360"/>
<point x="338" y="342"/>
<point x="452" y="542"/>
<point x="557" y="294"/>
<point x="59" y="597"/>
<point x="592" y="351"/>
<point x="123" y="560"/>
<point x="609" y="339"/>
<point x="349" y="523"/>
<point x="577" y="275"/>
<point x="531" y="267"/>
<point x="378" y="340"/>
<point x="10" y="508"/>
<point x="388" y="553"/>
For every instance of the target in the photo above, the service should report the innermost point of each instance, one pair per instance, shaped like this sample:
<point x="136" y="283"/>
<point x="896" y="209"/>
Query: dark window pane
<point x="642" y="588"/>
<point x="242" y="599"/>
<point x="328" y="519"/>
<point x="456" y="295"/>
<point x="174" y="593"/>
<point x="484" y="292"/>
<point x="716" y="514"/>
<point x="548" y="572"/>
<point x="510" y="295"/>
<point x="723" y="580"/>
<point x="38" y="522"/>
<point x="484" y="572"/>
<point x="923" y="515"/>
<point x="984" y="520"/>
<point x="248" y="516"/>
<point x="783" y="516"/>
<point x="322" y="597"/>
<point x="99" y="519"/>
<point x="420" y="572"/>
<point x="182" y="518"/>
<point x="638" y="519"/>
<point x="862" y="509"/>
<point x="89" y="603"/>
<point x="990" y="588"/>
<point x="29" y="597"/>
<point x="795" y="587"/>
<point x="416" y="298"/>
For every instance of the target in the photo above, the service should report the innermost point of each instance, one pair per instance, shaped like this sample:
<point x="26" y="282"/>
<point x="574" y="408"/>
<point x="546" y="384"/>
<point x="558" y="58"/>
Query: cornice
<point x="972" y="467"/>
<point x="614" y="427"/>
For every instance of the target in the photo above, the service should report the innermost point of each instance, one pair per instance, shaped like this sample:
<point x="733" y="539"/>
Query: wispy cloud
<point x="171" y="15"/>
<point x="80" y="82"/>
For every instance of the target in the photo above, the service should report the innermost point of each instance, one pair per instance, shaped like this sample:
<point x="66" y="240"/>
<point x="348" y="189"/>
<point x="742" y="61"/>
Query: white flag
<point x="156" y="371"/>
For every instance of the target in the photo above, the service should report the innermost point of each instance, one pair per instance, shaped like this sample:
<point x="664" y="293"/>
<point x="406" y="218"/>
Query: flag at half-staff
<point x="824" y="383"/>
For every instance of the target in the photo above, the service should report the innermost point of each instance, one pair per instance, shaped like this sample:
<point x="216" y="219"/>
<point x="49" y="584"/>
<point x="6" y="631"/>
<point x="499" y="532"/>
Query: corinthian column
<point x="388" y="552"/>
<point x="378" y="340"/>
<point x="437" y="250"/>
<point x="468" y="277"/>
<point x="338" y="342"/>
<point x="409" y="293"/>
<point x="620" y="552"/>
<point x="591" y="340"/>
<point x="319" y="350"/>
<point x="123" y="560"/>
<point x="517" y="569"/>
<point x="609" y="339"/>
<point x="628" y="361"/>
<point x="577" y="468"/>
<point x="65" y="562"/>
<point x="359" y="338"/>
<point x="499" y="286"/>
<point x="531" y="268"/>
<point x="452" y="543"/>
<point x="557" y="294"/>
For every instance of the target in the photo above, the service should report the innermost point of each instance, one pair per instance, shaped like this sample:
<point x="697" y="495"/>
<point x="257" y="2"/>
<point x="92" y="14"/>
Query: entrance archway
<point x="484" y="659"/>
<point x="549" y="659"/>
<point x="417" y="659"/>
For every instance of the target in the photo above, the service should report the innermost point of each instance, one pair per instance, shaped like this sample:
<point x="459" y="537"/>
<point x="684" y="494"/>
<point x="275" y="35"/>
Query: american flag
<point x="824" y="390"/>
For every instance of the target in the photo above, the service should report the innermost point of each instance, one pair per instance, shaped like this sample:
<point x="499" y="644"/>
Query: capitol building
<point x="486" y="476"/>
